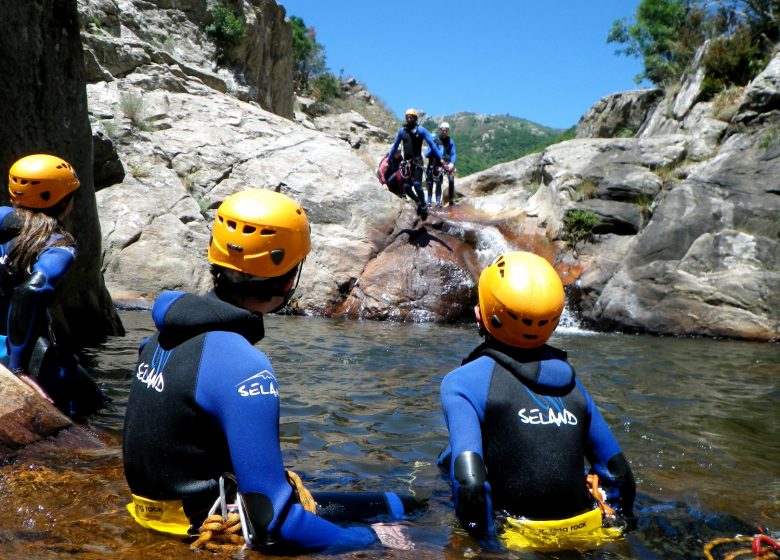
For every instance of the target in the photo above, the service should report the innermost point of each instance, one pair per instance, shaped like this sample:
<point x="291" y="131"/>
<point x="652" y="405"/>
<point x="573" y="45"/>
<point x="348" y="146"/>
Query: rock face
<point x="25" y="418"/>
<point x="682" y="189"/>
<point x="43" y="108"/>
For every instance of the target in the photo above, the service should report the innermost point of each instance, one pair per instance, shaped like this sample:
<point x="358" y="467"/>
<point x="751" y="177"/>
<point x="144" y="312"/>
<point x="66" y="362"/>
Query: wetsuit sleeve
<point x="453" y="155"/>
<point x="30" y="299"/>
<point x="431" y="143"/>
<point x="464" y="394"/>
<point x="237" y="385"/>
<point x="607" y="460"/>
<point x="394" y="147"/>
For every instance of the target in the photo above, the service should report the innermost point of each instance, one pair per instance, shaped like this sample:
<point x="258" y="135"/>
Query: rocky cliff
<point x="681" y="188"/>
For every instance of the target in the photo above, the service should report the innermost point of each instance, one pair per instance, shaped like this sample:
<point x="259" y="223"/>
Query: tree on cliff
<point x="667" y="33"/>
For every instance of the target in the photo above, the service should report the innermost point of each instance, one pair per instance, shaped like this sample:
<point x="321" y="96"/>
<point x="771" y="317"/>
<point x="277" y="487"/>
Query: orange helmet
<point x="521" y="299"/>
<point x="411" y="113"/>
<point x="41" y="181"/>
<point x="259" y="232"/>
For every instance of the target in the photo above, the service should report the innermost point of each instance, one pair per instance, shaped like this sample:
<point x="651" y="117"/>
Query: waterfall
<point x="489" y="242"/>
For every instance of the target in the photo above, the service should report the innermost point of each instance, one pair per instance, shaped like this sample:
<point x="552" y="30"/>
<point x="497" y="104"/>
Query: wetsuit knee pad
<point x="259" y="513"/>
<point x="471" y="496"/>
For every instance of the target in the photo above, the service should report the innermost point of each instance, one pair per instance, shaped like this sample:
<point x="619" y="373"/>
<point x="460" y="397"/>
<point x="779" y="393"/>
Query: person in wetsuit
<point x="36" y="253"/>
<point x="204" y="401"/>
<point x="438" y="167"/>
<point x="520" y="422"/>
<point x="410" y="138"/>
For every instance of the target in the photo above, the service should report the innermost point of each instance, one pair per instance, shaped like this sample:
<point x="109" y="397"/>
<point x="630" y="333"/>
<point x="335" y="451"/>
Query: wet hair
<point x="37" y="232"/>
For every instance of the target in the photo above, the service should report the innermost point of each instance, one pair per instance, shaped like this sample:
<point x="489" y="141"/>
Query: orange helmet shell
<point x="259" y="232"/>
<point x="41" y="181"/>
<point x="521" y="299"/>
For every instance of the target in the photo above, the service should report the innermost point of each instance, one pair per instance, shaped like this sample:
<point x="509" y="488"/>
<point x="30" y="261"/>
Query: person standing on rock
<point x="36" y="253"/>
<point x="437" y="168"/>
<point x="410" y="138"/>
<point x="203" y="408"/>
<point x="521" y="424"/>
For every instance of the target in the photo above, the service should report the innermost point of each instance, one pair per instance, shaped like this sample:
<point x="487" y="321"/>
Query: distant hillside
<point x="483" y="141"/>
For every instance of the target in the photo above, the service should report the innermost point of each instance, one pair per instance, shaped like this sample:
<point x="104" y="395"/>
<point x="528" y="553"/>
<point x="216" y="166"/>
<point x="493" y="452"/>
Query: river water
<point x="698" y="420"/>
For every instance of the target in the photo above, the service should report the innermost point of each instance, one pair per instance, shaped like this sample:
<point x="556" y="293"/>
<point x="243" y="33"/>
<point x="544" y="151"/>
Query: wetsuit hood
<point x="180" y="316"/>
<point x="543" y="367"/>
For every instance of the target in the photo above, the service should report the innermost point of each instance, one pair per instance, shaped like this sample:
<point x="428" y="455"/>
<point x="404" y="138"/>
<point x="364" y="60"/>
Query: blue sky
<point x="547" y="61"/>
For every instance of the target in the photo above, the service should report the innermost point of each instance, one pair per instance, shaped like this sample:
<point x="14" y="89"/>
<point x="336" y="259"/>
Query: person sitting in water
<point x="36" y="253"/>
<point x="204" y="401"/>
<point x="410" y="138"/>
<point x="521" y="424"/>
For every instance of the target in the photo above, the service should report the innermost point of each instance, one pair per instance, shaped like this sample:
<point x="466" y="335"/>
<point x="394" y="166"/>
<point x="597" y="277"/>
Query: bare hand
<point x="34" y="384"/>
<point x="392" y="536"/>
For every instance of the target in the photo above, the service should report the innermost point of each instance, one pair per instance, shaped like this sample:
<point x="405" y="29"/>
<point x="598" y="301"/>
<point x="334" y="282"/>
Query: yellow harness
<point x="582" y="531"/>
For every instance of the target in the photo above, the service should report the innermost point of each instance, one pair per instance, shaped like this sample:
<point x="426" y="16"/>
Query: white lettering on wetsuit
<point x="536" y="416"/>
<point x="263" y="383"/>
<point x="151" y="377"/>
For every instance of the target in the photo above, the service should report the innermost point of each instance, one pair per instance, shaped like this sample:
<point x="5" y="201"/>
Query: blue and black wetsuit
<point x="26" y="344"/>
<point x="521" y="426"/>
<point x="203" y="402"/>
<point x="410" y="139"/>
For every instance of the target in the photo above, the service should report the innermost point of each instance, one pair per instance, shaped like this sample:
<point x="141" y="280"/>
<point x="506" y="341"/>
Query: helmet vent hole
<point x="543" y="322"/>
<point x="530" y="336"/>
<point x="231" y="225"/>
<point x="495" y="321"/>
<point x="268" y="231"/>
<point x="528" y="322"/>
<point x="234" y="247"/>
<point x="277" y="256"/>
<point x="248" y="230"/>
<point x="515" y="317"/>
<point x="45" y="195"/>
<point x="220" y="218"/>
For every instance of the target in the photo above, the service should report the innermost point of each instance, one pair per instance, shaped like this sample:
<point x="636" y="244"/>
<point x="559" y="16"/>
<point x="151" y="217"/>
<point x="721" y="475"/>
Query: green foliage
<point x="485" y="141"/>
<point x="731" y="60"/>
<point x="226" y="28"/>
<point x="579" y="225"/>
<point x="326" y="87"/>
<point x="667" y="33"/>
<point x="771" y="138"/>
<point x="308" y="55"/>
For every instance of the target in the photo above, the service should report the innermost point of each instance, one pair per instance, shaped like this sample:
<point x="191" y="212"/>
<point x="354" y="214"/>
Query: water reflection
<point x="360" y="410"/>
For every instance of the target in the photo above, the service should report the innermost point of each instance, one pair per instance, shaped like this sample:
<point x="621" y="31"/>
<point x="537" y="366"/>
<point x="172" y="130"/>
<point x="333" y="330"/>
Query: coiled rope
<point x="225" y="531"/>
<point x="762" y="546"/>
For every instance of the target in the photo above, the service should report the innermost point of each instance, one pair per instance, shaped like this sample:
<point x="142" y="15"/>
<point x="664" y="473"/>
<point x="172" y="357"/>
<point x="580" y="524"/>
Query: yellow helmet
<point x="521" y="299"/>
<point x="411" y="112"/>
<point x="259" y="232"/>
<point x="41" y="181"/>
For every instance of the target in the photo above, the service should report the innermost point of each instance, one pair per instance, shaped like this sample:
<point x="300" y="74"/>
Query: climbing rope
<point x="225" y="531"/>
<point x="762" y="546"/>
<point x="217" y="533"/>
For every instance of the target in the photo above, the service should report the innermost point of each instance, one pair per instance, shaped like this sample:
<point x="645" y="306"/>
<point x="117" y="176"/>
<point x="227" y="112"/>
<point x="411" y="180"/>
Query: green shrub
<point x="226" y="28"/>
<point x="579" y="225"/>
<point x="732" y="60"/>
<point x="326" y="87"/>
